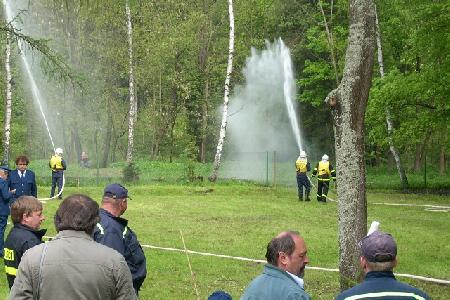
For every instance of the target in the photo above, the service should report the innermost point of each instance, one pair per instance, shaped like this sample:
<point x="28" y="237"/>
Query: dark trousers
<point x="303" y="184"/>
<point x="57" y="179"/>
<point x="322" y="190"/>
<point x="3" y="222"/>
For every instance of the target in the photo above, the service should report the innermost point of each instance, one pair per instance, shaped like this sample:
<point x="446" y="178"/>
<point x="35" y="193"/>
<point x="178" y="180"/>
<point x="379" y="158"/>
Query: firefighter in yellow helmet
<point x="325" y="172"/>
<point x="304" y="186"/>
<point x="58" y="165"/>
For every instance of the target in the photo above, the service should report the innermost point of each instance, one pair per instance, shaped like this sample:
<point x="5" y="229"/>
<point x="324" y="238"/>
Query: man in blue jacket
<point x="22" y="180"/>
<point x="6" y="197"/>
<point x="378" y="260"/>
<point x="282" y="278"/>
<point x="113" y="231"/>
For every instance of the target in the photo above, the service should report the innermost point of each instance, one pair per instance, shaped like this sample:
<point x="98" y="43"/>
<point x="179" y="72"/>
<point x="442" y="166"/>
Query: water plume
<point x="263" y="118"/>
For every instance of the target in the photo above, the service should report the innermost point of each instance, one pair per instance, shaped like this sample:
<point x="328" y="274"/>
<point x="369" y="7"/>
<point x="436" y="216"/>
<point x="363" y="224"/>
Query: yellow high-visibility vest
<point x="324" y="168"/>
<point x="56" y="163"/>
<point x="301" y="165"/>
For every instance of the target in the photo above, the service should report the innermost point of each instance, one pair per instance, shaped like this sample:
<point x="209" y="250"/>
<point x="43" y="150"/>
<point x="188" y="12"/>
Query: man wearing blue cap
<point x="378" y="260"/>
<point x="113" y="231"/>
<point x="6" y="198"/>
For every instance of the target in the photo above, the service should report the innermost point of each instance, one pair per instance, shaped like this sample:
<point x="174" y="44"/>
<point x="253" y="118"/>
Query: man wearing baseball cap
<point x="378" y="259"/>
<point x="113" y="231"/>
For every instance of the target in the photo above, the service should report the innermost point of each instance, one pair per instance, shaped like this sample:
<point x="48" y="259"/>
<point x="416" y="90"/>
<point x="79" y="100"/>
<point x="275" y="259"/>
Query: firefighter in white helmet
<point x="325" y="172"/>
<point x="58" y="165"/>
<point x="302" y="166"/>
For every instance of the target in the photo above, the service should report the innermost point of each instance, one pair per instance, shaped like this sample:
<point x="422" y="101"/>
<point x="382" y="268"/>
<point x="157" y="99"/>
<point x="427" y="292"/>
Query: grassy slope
<point x="240" y="219"/>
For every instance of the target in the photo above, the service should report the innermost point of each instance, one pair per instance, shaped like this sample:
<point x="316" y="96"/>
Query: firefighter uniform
<point x="58" y="165"/>
<point x="20" y="239"/>
<point x="114" y="232"/>
<point x="324" y="172"/>
<point x="303" y="185"/>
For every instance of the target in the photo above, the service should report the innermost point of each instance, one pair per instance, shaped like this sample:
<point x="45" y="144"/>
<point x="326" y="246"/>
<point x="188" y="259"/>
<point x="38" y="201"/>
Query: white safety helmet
<point x="59" y="151"/>
<point x="325" y="157"/>
<point x="302" y="154"/>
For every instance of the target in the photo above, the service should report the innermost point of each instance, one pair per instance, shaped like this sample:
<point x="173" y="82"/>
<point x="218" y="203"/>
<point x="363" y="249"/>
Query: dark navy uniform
<point x="114" y="232"/>
<point x="24" y="184"/>
<point x="20" y="239"/>
<point x="5" y="200"/>
<point x="383" y="286"/>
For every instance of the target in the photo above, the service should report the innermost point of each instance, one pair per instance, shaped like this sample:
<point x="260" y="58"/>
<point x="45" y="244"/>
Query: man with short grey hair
<point x="282" y="277"/>
<point x="378" y="260"/>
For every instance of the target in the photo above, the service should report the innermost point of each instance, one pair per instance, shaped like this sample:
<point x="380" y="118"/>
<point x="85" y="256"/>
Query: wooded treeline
<point x="180" y="51"/>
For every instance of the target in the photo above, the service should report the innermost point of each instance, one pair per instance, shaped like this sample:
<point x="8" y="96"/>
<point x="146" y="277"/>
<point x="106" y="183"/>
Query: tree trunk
<point x="8" y="103"/>
<point x="223" y="127"/>
<point x="442" y="161"/>
<point x="349" y="102"/>
<point x="132" y="112"/>
<point x="420" y="148"/>
<point x="390" y="125"/>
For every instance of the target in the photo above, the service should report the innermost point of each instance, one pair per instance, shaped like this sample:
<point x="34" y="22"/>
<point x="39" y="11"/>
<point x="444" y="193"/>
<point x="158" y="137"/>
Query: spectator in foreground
<point x="113" y="231"/>
<point x="27" y="216"/>
<point x="220" y="295"/>
<point x="282" y="277"/>
<point x="72" y="266"/>
<point x="378" y="260"/>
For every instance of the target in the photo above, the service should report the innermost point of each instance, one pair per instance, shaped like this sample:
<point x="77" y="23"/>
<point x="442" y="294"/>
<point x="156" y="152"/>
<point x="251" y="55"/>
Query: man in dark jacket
<point x="378" y="259"/>
<point x="27" y="216"/>
<point x="113" y="231"/>
<point x="22" y="179"/>
<point x="6" y="197"/>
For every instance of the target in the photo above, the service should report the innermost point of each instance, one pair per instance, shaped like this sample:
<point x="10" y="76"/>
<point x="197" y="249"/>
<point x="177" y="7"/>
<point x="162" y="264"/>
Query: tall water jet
<point x="263" y="126"/>
<point x="34" y="88"/>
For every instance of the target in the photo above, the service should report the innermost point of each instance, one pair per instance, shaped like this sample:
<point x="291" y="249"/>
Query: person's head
<point x="59" y="151"/>
<point x="27" y="210"/>
<point x="219" y="295"/>
<point x="302" y="154"/>
<point x="4" y="171"/>
<point x="325" y="157"/>
<point x="288" y="251"/>
<point x="77" y="212"/>
<point x="378" y="252"/>
<point x="22" y="162"/>
<point x="115" y="199"/>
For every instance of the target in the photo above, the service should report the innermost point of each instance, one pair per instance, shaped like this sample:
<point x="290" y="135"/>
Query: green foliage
<point x="131" y="173"/>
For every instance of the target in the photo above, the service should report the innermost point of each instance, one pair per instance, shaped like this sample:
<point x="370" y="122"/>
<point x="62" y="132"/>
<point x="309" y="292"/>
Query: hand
<point x="13" y="191"/>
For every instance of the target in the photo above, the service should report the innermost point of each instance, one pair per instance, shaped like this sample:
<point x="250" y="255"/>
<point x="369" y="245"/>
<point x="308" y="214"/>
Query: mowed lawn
<point x="240" y="219"/>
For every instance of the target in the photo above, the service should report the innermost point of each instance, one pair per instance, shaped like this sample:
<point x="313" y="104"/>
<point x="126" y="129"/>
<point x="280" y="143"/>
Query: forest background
<point x="180" y="57"/>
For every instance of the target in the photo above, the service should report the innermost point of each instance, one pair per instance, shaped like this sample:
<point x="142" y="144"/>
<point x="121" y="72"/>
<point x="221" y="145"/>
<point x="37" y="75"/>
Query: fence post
<point x="267" y="168"/>
<point x="274" y="182"/>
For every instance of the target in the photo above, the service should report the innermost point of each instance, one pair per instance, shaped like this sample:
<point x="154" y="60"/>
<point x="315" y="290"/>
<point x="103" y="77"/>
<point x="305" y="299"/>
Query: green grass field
<point x="238" y="219"/>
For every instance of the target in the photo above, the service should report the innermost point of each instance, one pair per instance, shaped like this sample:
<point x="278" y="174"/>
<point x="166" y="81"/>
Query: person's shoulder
<point x="409" y="288"/>
<point x="357" y="289"/>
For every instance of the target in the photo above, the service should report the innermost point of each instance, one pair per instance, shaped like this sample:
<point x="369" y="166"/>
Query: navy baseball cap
<point x="379" y="247"/>
<point x="219" y="295"/>
<point x="116" y="191"/>
<point x="5" y="168"/>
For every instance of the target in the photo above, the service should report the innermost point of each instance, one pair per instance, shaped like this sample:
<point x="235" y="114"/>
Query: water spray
<point x="289" y="91"/>
<point x="34" y="88"/>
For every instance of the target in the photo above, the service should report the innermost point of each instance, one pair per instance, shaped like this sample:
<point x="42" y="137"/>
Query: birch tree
<point x="8" y="102"/>
<point x="349" y="102"/>
<point x="133" y="108"/>
<point x="390" y="125"/>
<point x="223" y="126"/>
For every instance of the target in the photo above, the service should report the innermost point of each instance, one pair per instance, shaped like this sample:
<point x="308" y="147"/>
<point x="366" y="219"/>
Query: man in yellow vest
<point x="325" y="172"/>
<point x="302" y="166"/>
<point x="58" y="165"/>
